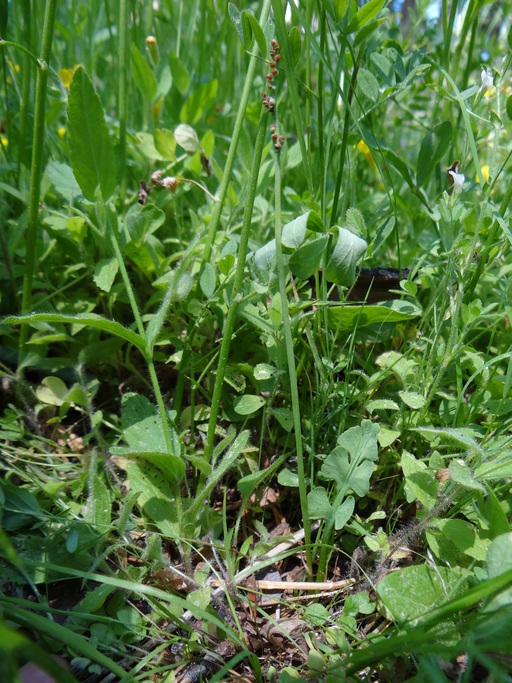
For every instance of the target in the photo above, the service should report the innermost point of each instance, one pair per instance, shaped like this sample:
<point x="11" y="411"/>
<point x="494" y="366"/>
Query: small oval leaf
<point x="248" y="404"/>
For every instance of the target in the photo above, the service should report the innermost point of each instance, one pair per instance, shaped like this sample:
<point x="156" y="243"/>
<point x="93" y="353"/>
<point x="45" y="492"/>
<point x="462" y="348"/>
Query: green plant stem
<point x="23" y="153"/>
<point x="237" y="286"/>
<point x="293" y="94"/>
<point x="124" y="64"/>
<point x="217" y="209"/>
<point x="343" y="151"/>
<point x="237" y="130"/>
<point x="36" y="171"/>
<point x="140" y="326"/>
<point x="26" y="52"/>
<point x="292" y="374"/>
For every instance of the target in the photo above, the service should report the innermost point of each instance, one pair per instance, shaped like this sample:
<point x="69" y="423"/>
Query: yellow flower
<point x="61" y="132"/>
<point x="65" y="76"/>
<point x="365" y="151"/>
<point x="485" y="173"/>
<point x="4" y="141"/>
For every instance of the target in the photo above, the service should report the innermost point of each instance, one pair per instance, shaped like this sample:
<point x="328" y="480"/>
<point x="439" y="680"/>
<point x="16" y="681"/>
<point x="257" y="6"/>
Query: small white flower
<point x="458" y="181"/>
<point x="487" y="79"/>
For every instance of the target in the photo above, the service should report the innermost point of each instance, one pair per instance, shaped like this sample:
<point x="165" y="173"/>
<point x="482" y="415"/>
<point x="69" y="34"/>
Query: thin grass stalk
<point x="292" y="374"/>
<point x="23" y="154"/>
<point x="237" y="286"/>
<point x="293" y="94"/>
<point x="104" y="218"/>
<point x="124" y="65"/>
<point x="36" y="171"/>
<point x="217" y="209"/>
<point x="237" y="130"/>
<point x="343" y="150"/>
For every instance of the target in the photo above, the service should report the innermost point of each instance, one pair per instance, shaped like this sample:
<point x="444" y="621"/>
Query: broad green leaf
<point x="98" y="505"/>
<point x="92" y="157"/>
<point x="52" y="391"/>
<point x="199" y="102"/>
<point x="354" y="219"/>
<point x="248" y="404"/>
<point x="180" y="75"/>
<point x="294" y="232"/>
<point x="509" y="107"/>
<point x="349" y="317"/>
<point x="186" y="137"/>
<point x="264" y="371"/>
<point x="141" y="425"/>
<point x="143" y="434"/>
<point x="207" y="279"/>
<point x="383" y="67"/>
<point x="361" y="441"/>
<point x="368" y="84"/>
<point x="154" y="496"/>
<point x="226" y="263"/>
<point x="433" y="147"/>
<point x="413" y="592"/>
<point x="142" y="221"/>
<point x="236" y="17"/>
<point x="412" y="399"/>
<point x="91" y="319"/>
<point x="400" y="165"/>
<point x="248" y="38"/>
<point x="288" y="478"/>
<point x="420" y="482"/>
<point x="365" y="14"/>
<point x="495" y="515"/>
<point x="340" y="8"/>
<point x="351" y="463"/>
<point x="105" y="273"/>
<point x="284" y="416"/>
<point x="142" y="74"/>
<point x="348" y="473"/>
<point x="461" y="474"/>
<point x="382" y="404"/>
<point x="387" y="436"/>
<point x="465" y="437"/>
<point x="93" y="600"/>
<point x="208" y="143"/>
<point x="183" y="287"/>
<point x="165" y="143"/>
<point x="307" y="259"/>
<point x="464" y="537"/>
<point x="499" y="560"/>
<point x="495" y="469"/>
<point x="171" y="466"/>
<point x="235" y="379"/>
<point x="77" y="227"/>
<point x="367" y="31"/>
<point x="404" y="368"/>
<point x="264" y="257"/>
<point x="20" y="507"/>
<point x="344" y="513"/>
<point x="258" y="34"/>
<point x="341" y="267"/>
<point x="61" y="177"/>
<point x="319" y="506"/>
<point x="295" y="44"/>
